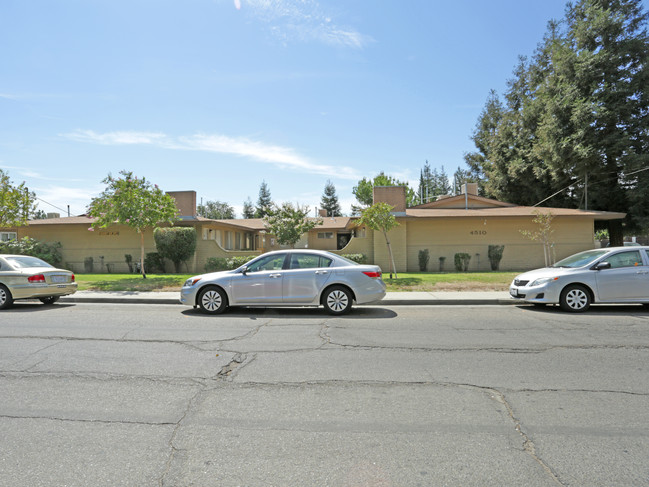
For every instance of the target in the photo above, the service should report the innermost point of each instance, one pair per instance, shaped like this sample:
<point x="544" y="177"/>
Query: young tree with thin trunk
<point x="379" y="217"/>
<point x="134" y="202"/>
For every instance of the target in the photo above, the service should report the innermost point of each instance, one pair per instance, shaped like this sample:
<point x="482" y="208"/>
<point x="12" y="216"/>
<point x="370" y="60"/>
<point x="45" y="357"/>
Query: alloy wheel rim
<point x="3" y="297"/>
<point x="576" y="299"/>
<point x="337" y="300"/>
<point x="211" y="300"/>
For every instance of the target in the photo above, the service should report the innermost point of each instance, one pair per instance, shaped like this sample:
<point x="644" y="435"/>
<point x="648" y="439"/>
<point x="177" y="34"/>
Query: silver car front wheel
<point x="337" y="300"/>
<point x="575" y="298"/>
<point x="212" y="300"/>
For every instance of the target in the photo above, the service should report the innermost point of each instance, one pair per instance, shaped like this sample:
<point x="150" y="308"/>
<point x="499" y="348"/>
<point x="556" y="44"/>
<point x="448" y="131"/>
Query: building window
<point x="6" y="236"/>
<point x="325" y="234"/>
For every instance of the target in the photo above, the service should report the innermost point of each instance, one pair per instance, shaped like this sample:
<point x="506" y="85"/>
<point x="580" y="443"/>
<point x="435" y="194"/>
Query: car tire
<point x="49" y="299"/>
<point x="337" y="300"/>
<point x="212" y="300"/>
<point x="6" y="299"/>
<point x="575" y="298"/>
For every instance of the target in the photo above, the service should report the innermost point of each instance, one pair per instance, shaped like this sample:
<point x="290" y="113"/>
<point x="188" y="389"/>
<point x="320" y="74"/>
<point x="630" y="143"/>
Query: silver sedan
<point x="26" y="277"/>
<point x="610" y="275"/>
<point x="287" y="278"/>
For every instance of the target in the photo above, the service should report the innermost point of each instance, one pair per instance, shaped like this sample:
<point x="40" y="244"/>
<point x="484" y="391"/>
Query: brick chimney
<point x="186" y="202"/>
<point x="392" y="195"/>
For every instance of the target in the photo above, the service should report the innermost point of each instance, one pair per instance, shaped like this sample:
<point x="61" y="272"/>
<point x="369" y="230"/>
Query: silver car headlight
<point x="543" y="280"/>
<point x="191" y="281"/>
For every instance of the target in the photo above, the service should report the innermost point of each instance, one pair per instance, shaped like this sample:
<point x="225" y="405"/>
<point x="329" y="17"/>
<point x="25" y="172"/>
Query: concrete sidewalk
<point x="391" y="299"/>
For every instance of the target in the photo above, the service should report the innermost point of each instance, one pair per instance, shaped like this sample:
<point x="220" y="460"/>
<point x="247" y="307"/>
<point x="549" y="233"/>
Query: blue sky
<point x="217" y="96"/>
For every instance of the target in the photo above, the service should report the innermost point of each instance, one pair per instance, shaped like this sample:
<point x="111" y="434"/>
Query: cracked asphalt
<point x="158" y="395"/>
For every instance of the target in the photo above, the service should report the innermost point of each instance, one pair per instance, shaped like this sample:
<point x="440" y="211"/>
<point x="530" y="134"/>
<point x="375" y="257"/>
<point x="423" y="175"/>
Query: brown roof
<point x="460" y="200"/>
<point x="509" y="211"/>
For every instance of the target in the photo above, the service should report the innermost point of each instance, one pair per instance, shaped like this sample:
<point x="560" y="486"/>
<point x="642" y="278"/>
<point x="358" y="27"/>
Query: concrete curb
<point x="391" y="299"/>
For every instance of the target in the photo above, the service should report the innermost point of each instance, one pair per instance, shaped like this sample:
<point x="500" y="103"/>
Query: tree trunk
<point x="142" y="254"/>
<point x="393" y="268"/>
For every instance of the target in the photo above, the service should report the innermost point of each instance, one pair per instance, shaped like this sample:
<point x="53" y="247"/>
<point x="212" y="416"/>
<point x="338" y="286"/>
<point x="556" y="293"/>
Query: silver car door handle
<point x="322" y="272"/>
<point x="274" y="276"/>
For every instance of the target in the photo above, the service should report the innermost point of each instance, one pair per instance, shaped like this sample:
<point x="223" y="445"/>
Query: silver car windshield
<point x="25" y="262"/>
<point x="581" y="259"/>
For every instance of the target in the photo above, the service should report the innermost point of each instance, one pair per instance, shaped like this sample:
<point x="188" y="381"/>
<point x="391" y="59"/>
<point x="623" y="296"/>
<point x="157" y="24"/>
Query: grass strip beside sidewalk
<point x="407" y="281"/>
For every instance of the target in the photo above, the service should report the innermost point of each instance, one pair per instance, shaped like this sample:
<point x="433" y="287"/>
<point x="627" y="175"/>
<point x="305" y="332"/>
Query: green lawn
<point x="407" y="281"/>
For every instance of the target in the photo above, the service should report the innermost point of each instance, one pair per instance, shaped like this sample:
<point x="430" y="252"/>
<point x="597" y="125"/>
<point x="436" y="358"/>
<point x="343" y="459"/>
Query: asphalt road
<point x="159" y="395"/>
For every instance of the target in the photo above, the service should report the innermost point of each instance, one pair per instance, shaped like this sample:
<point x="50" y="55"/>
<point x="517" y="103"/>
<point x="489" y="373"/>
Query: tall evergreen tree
<point x="248" y="209"/>
<point x="329" y="200"/>
<point x="264" y="202"/>
<point x="577" y="113"/>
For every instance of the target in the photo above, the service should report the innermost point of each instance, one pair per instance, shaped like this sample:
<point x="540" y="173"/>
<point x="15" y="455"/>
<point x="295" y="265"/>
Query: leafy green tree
<point x="329" y="200"/>
<point x="248" y="209"/>
<point x="574" y="127"/>
<point x="379" y="217"/>
<point x="133" y="202"/>
<point x="288" y="223"/>
<point x="216" y="210"/>
<point x="16" y="202"/>
<point x="177" y="244"/>
<point x="364" y="191"/>
<point x="39" y="215"/>
<point x="264" y="202"/>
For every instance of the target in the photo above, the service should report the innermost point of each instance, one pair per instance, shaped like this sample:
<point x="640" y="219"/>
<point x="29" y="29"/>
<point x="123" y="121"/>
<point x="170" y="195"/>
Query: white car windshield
<point x="25" y="262"/>
<point x="581" y="259"/>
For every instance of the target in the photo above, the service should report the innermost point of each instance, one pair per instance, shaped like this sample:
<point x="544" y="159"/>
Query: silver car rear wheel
<point x="6" y="299"/>
<point x="575" y="298"/>
<point x="212" y="300"/>
<point x="337" y="300"/>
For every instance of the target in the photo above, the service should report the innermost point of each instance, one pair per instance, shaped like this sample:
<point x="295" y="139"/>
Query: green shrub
<point x="154" y="263"/>
<point x="48" y="251"/>
<point x="176" y="244"/>
<point x="214" y="264"/>
<point x="358" y="258"/>
<point x="495" y="255"/>
<point x="424" y="257"/>
<point x="462" y="261"/>
<point x="234" y="262"/>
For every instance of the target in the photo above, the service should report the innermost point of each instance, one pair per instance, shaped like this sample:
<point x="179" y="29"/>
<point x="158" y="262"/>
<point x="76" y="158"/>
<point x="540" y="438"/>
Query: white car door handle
<point x="274" y="276"/>
<point x="322" y="272"/>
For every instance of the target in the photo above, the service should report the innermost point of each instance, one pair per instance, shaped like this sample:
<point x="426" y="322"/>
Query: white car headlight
<point x="191" y="281"/>
<point x="543" y="280"/>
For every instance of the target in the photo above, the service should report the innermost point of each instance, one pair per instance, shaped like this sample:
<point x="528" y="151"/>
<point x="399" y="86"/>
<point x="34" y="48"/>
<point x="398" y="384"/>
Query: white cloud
<point x="116" y="138"/>
<point x="282" y="157"/>
<point x="303" y="20"/>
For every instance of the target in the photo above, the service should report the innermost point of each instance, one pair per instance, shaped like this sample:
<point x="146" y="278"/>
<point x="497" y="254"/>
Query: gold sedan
<point x="26" y="277"/>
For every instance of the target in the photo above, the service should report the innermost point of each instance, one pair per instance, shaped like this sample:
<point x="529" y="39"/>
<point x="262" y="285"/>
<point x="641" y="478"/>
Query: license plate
<point x="59" y="279"/>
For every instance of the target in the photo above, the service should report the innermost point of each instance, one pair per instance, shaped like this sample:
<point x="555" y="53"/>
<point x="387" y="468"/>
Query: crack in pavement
<point x="79" y="420"/>
<point x="528" y="444"/>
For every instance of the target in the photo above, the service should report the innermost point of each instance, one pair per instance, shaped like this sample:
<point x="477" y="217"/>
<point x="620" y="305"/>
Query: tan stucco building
<point x="467" y="223"/>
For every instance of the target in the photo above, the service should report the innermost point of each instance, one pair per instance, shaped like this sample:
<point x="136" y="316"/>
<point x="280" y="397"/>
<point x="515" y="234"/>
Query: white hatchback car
<point x="287" y="278"/>
<point x="26" y="277"/>
<point x="610" y="275"/>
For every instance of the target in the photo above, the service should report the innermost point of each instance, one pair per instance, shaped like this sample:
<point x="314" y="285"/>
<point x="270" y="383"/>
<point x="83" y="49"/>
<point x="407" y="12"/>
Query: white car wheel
<point x="212" y="300"/>
<point x="575" y="298"/>
<point x="337" y="300"/>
